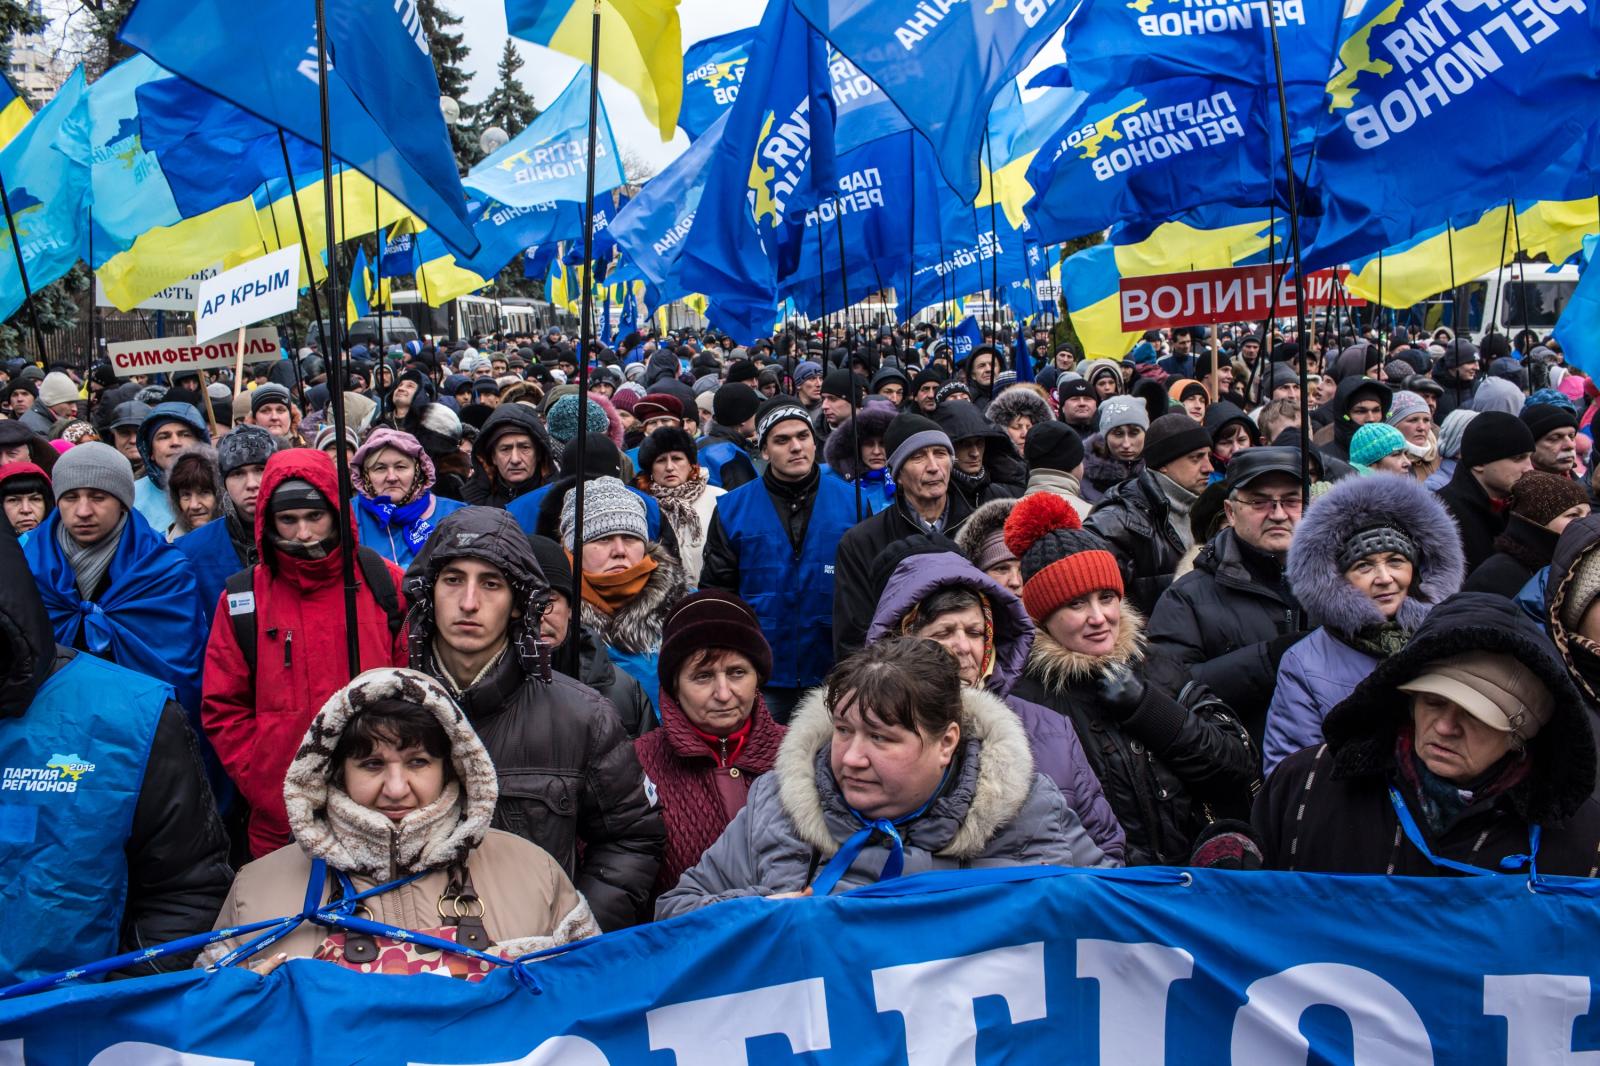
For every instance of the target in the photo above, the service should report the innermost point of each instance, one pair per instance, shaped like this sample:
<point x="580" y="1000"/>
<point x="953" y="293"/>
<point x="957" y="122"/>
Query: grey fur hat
<point x="1018" y="401"/>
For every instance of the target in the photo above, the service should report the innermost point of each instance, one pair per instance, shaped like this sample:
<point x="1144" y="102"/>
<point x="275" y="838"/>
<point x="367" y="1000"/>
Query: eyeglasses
<point x="1266" y="506"/>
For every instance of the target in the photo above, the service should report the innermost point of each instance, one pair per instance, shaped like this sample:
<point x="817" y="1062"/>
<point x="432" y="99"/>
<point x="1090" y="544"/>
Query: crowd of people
<point x="775" y="621"/>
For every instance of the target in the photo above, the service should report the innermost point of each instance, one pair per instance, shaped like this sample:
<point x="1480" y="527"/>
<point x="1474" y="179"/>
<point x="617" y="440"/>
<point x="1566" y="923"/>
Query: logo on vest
<point x="61" y="774"/>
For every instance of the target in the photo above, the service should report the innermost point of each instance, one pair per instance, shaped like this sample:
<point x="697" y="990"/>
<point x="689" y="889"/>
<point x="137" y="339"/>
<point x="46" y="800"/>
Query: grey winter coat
<point x="996" y="811"/>
<point x="1057" y="752"/>
<point x="1323" y="669"/>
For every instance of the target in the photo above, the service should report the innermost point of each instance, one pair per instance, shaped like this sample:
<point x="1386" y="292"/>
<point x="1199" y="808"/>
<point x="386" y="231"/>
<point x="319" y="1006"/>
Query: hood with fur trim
<point x="1574" y="554"/>
<point x="1361" y="730"/>
<point x="1015" y="401"/>
<point x="1358" y="503"/>
<point x="995" y="779"/>
<point x="985" y="521"/>
<point x="874" y="419"/>
<point x="1060" y="670"/>
<point x="329" y="825"/>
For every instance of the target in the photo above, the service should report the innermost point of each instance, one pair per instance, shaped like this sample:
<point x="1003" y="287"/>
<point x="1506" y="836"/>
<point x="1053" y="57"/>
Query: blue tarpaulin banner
<point x="1034" y="965"/>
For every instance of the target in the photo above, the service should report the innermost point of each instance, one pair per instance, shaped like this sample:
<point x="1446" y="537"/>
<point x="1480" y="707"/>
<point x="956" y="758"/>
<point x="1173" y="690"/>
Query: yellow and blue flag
<point x="712" y="72"/>
<point x="548" y="160"/>
<point x="357" y="303"/>
<point x="641" y="45"/>
<point x="14" y="111"/>
<point x="47" y="180"/>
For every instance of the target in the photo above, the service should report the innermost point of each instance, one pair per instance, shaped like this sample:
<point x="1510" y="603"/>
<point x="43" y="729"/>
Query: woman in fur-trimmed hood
<point x="1165" y="764"/>
<point x="1370" y="558"/>
<point x="893" y="739"/>
<point x="392" y="781"/>
<point x="870" y="463"/>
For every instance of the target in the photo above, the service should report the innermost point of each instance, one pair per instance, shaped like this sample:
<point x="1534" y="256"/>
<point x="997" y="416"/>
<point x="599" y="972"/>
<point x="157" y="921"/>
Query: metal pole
<point x="855" y="422"/>
<point x="994" y="260"/>
<point x="1522" y="272"/>
<point x="335" y="357"/>
<point x="305" y="247"/>
<point x="1299" y="274"/>
<point x="1499" y="289"/>
<point x="22" y="269"/>
<point x="585" y="329"/>
<point x="94" y="304"/>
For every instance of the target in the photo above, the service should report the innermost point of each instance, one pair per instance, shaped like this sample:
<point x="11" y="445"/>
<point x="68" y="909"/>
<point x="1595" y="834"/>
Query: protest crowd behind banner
<point x="1083" y="561"/>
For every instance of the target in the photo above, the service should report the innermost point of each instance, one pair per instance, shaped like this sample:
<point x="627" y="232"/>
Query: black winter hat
<point x="1171" y="437"/>
<point x="600" y="457"/>
<point x="909" y="433"/>
<point x="742" y="370"/>
<point x="1073" y="387"/>
<point x="735" y="403"/>
<point x="663" y="441"/>
<point x="553" y="563"/>
<point x="1053" y="446"/>
<point x="1495" y="435"/>
<point x="711" y="618"/>
<point x="837" y="383"/>
<point x="1543" y="418"/>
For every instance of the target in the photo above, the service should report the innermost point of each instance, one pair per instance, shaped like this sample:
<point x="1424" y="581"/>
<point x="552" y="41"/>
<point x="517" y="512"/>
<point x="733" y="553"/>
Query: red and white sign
<point x="167" y="354"/>
<point x="1236" y="294"/>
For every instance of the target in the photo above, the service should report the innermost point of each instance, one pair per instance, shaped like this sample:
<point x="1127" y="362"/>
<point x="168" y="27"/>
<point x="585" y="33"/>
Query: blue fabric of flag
<point x="549" y="160"/>
<point x="628" y="317"/>
<point x="1151" y="152"/>
<point x="383" y="95"/>
<point x="966" y="336"/>
<point x="399" y="256"/>
<point x="47" y="181"/>
<point x="775" y="157"/>
<point x="1578" y="328"/>
<point x="650" y="231"/>
<point x="1433" y="110"/>
<point x="712" y="71"/>
<point x="941" y="63"/>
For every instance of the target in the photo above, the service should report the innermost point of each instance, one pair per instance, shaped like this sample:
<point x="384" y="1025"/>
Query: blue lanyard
<point x="1509" y="864"/>
<point x="851" y="848"/>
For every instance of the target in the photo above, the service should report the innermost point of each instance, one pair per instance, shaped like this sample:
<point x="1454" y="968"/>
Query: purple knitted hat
<point x="400" y="441"/>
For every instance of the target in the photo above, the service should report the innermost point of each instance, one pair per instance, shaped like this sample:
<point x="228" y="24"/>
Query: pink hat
<point x="60" y="445"/>
<point x="400" y="441"/>
<point x="1572" y="386"/>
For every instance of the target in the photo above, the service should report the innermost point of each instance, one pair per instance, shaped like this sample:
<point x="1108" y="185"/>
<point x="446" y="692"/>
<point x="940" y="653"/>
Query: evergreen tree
<point x="57" y="308"/>
<point x="449" y="52"/>
<point x="18" y="16"/>
<point x="510" y="106"/>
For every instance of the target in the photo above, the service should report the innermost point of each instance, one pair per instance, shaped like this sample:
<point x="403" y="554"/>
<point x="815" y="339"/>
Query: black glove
<point x="1278" y="645"/>
<point x="1121" y="690"/>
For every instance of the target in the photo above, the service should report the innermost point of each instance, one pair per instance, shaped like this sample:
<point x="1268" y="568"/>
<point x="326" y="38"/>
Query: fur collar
<point x="999" y="746"/>
<point x="329" y="825"/>
<point x="1058" y="669"/>
<point x="636" y="628"/>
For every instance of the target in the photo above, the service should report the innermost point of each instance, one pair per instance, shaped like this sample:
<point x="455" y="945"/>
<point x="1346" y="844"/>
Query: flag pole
<point x="1299" y="274"/>
<point x="305" y="246"/>
<point x="585" y="333"/>
<point x="22" y="268"/>
<point x="335" y="357"/>
<point x="855" y="420"/>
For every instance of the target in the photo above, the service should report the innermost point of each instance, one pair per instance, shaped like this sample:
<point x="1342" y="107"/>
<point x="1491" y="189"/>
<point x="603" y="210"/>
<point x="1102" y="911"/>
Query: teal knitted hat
<point x="1373" y="441"/>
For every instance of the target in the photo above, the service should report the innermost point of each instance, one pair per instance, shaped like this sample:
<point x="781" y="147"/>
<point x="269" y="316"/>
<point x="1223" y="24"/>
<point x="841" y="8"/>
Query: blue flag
<point x="712" y="72"/>
<point x="47" y="180"/>
<point x="942" y="63"/>
<point x="1477" y="91"/>
<point x="650" y="231"/>
<point x="775" y="157"/>
<point x="865" y="112"/>
<point x="966" y="336"/>
<point x="1024" y="362"/>
<point x="1151" y="152"/>
<point x="628" y="318"/>
<point x="503" y="232"/>
<point x="399" y="256"/>
<point x="548" y="160"/>
<point x="382" y="93"/>
<point x="1578" y="328"/>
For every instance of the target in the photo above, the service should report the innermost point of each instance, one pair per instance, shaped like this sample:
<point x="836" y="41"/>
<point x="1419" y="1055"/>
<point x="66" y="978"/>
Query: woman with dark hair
<point x="194" y="485"/>
<point x="26" y="496"/>
<point x="892" y="768"/>
<point x="392" y="787"/>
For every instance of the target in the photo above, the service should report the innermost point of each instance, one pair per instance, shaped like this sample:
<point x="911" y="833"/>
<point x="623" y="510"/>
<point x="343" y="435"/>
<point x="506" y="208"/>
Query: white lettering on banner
<point x="1135" y="305"/>
<point x="1222" y="16"/>
<point x="503" y="213"/>
<point x="1135" y="980"/>
<point x="1539" y="1009"/>
<point x="1228" y="295"/>
<point x="848" y="81"/>
<point x="411" y="21"/>
<point x="165" y="354"/>
<point x="935" y="999"/>
<point x="1385" y="1028"/>
<point x="1442" y="60"/>
<point x="929" y="17"/>
<point x="859" y="190"/>
<point x="675" y="233"/>
<point x="787" y="150"/>
<point x="553" y="161"/>
<point x="1148" y="134"/>
<point x="246" y="294"/>
<point x="714" y="1031"/>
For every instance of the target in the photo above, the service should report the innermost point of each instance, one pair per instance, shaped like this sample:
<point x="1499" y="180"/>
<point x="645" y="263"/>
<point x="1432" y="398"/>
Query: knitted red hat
<point x="1061" y="560"/>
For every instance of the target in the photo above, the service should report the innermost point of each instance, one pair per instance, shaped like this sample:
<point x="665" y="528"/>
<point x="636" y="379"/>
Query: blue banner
<point x="712" y="72"/>
<point x="1151" y="152"/>
<point x="942" y="63"/>
<point x="399" y="256"/>
<point x="651" y="228"/>
<point x="382" y="92"/>
<point x="1578" y="328"/>
<point x="549" y="160"/>
<point x="966" y="336"/>
<point x="503" y="232"/>
<point x="47" y="180"/>
<point x="1487" y="94"/>
<point x="1026" y="966"/>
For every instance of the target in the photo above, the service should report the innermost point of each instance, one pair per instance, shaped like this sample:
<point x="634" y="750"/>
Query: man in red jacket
<point x="256" y="707"/>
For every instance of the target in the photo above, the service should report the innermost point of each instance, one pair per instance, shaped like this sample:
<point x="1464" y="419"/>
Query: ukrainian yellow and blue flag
<point x="14" y="111"/>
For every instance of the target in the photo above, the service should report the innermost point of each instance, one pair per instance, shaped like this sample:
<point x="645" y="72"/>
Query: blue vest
<point x="791" y="594"/>
<point x="717" y="454"/>
<point x="525" y="509"/>
<point x="70" y="773"/>
<point x="211" y="553"/>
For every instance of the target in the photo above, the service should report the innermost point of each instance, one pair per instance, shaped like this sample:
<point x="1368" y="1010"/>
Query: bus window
<point x="1536" y="304"/>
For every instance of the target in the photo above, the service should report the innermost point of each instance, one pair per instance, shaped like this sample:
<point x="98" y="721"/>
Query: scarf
<point x="914" y="621"/>
<point x="1382" y="640"/>
<point x="734" y="741"/>
<point x="1442" y="801"/>
<point x="408" y="517"/>
<point x="442" y="672"/>
<point x="90" y="562"/>
<point x="610" y="593"/>
<point x="677" y="503"/>
<point x="1180" y="501"/>
<point x="880" y="476"/>
<point x="243" y="537"/>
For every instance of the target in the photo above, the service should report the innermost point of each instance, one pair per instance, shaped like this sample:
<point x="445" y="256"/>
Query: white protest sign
<point x="246" y="294"/>
<point x="179" y="296"/>
<point x="171" y="354"/>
